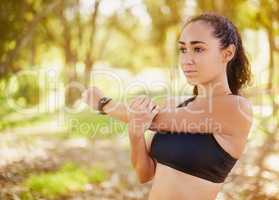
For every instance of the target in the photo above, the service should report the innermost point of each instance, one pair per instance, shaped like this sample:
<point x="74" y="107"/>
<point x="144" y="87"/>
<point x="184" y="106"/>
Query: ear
<point x="228" y="53"/>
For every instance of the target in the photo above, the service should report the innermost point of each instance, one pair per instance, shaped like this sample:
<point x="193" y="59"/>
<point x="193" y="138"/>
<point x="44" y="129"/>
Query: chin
<point x="192" y="82"/>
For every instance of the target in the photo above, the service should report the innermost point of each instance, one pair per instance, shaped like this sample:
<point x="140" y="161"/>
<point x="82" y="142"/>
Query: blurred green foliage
<point x="69" y="178"/>
<point x="132" y="36"/>
<point x="25" y="90"/>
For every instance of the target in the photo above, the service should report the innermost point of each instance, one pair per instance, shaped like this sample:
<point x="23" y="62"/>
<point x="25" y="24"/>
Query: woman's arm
<point x="141" y="161"/>
<point x="218" y="116"/>
<point x="140" y="119"/>
<point x="117" y="110"/>
<point x="121" y="111"/>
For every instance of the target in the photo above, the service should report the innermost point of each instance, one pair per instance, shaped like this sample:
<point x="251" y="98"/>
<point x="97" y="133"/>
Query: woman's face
<point x="200" y="52"/>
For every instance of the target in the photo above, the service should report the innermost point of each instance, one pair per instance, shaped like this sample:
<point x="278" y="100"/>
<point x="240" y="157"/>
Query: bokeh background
<point x="54" y="147"/>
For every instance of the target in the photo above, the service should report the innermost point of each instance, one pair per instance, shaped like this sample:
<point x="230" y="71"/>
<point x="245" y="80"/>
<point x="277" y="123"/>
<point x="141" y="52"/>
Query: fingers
<point x="142" y="100"/>
<point x="156" y="110"/>
<point x="151" y="105"/>
<point x="137" y="101"/>
<point x="87" y="92"/>
<point x="133" y="102"/>
<point x="143" y="103"/>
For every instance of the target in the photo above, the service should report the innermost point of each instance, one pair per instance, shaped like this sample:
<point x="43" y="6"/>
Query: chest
<point x="189" y="151"/>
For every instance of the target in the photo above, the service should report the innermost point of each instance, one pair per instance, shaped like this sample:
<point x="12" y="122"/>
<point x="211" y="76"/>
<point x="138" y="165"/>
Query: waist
<point x="174" y="184"/>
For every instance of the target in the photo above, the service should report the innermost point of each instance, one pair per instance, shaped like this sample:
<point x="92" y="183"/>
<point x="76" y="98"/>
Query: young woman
<point x="196" y="143"/>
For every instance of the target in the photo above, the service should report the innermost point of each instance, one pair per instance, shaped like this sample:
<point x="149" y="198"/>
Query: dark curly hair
<point x="238" y="69"/>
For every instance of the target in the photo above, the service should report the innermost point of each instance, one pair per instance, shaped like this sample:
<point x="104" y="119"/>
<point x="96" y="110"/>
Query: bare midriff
<point x="169" y="183"/>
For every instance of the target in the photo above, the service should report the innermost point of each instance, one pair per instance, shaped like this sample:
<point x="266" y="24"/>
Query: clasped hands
<point x="141" y="110"/>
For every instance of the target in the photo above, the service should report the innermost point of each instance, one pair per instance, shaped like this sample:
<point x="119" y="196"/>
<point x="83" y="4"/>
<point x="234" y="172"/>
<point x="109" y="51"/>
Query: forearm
<point x="117" y="110"/>
<point x="120" y="111"/>
<point x="140" y="158"/>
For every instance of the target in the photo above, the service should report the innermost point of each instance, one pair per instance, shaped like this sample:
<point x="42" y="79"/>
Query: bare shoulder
<point x="243" y="103"/>
<point x="241" y="106"/>
<point x="232" y="104"/>
<point x="238" y="110"/>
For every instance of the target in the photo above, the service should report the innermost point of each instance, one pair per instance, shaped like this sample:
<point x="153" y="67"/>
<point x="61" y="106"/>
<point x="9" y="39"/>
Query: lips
<point x="190" y="71"/>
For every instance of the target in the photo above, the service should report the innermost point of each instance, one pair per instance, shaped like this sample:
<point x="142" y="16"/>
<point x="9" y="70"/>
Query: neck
<point x="218" y="87"/>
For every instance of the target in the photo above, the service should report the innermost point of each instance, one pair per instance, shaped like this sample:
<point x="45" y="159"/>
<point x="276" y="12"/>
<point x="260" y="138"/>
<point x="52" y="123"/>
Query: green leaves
<point x="69" y="178"/>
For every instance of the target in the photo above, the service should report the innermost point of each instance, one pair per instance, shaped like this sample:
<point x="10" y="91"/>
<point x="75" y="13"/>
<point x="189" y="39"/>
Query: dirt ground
<point x="42" y="148"/>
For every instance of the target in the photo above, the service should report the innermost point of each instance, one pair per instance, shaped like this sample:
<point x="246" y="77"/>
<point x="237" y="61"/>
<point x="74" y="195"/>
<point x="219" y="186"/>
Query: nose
<point x="186" y="60"/>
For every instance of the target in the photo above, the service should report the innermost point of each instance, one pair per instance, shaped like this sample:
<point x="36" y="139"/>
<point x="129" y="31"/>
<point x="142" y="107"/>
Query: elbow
<point x="144" y="175"/>
<point x="144" y="179"/>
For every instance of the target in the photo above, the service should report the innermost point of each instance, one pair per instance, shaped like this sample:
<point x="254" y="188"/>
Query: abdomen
<point x="169" y="183"/>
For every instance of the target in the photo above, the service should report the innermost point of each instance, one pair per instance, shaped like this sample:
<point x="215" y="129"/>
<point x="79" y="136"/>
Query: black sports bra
<point x="197" y="154"/>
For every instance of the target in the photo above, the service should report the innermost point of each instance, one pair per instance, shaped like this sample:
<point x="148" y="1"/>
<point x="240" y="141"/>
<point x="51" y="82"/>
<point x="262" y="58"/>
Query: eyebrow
<point x="192" y="42"/>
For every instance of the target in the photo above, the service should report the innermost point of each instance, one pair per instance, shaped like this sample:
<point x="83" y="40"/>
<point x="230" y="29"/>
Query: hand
<point x="142" y="112"/>
<point x="91" y="96"/>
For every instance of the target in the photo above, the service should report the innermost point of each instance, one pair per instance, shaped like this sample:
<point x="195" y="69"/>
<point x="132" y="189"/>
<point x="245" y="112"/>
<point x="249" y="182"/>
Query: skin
<point x="210" y="63"/>
<point x="206" y="58"/>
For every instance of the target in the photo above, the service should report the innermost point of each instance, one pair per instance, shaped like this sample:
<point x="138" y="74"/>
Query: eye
<point x="183" y="50"/>
<point x="198" y="49"/>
